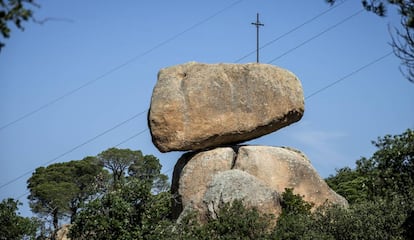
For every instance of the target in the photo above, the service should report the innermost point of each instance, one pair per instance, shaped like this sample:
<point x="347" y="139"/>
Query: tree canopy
<point x="118" y="161"/>
<point x="128" y="163"/>
<point x="130" y="209"/>
<point x="14" y="11"/>
<point x="379" y="189"/>
<point x="58" y="190"/>
<point x="12" y="225"/>
<point x="388" y="173"/>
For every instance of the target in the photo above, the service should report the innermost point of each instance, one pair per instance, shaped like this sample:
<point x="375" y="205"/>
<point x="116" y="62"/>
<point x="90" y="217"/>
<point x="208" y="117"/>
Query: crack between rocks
<point x="236" y="154"/>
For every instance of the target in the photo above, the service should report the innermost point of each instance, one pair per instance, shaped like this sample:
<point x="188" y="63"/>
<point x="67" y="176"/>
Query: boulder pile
<point x="209" y="110"/>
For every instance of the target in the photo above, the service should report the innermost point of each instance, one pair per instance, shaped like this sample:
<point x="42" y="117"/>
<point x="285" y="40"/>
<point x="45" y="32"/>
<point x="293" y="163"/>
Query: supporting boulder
<point x="255" y="174"/>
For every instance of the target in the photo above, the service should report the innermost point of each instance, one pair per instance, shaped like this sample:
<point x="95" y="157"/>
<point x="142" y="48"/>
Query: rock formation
<point x="230" y="185"/>
<point x="202" y="180"/>
<point x="62" y="233"/>
<point x="197" y="106"/>
<point x="209" y="109"/>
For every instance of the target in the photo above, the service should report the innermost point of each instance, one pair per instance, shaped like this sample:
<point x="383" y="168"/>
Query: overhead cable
<point x="118" y="67"/>
<point x="318" y="35"/>
<point x="75" y="148"/>
<point x="349" y="75"/>
<point x="292" y="30"/>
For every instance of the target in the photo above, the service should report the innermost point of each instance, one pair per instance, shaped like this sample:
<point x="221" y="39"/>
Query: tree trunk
<point x="73" y="211"/>
<point x="55" y="223"/>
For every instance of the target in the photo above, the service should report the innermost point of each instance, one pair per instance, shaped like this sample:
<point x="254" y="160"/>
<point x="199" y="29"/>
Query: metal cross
<point x="257" y="24"/>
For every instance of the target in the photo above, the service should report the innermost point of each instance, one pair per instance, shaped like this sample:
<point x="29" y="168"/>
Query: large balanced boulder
<point x="201" y="180"/>
<point x="196" y="106"/>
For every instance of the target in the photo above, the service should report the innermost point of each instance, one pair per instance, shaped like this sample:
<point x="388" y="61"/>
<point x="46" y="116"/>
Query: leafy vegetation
<point x="121" y="194"/>
<point x="134" y="204"/>
<point x="13" y="226"/>
<point x="59" y="190"/>
<point x="388" y="174"/>
<point x="14" y="11"/>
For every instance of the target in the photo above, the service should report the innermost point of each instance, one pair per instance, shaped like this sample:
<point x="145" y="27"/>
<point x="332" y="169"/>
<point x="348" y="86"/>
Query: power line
<point x="76" y="147"/>
<point x="292" y="30"/>
<point x="144" y="130"/>
<point x="317" y="35"/>
<point x="22" y="195"/>
<point x="136" y="135"/>
<point x="114" y="69"/>
<point x="122" y="142"/>
<point x="349" y="75"/>
<point x="132" y="137"/>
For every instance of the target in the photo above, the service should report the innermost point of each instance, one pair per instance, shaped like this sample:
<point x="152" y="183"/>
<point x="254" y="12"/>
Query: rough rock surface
<point x="275" y="168"/>
<point x="233" y="185"/>
<point x="196" y="106"/>
<point x="282" y="168"/>
<point x="192" y="175"/>
<point x="62" y="233"/>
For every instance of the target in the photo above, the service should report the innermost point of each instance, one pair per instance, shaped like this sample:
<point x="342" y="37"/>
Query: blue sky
<point x="111" y="53"/>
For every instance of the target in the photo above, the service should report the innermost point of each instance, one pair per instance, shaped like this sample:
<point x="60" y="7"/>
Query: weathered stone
<point x="282" y="168"/>
<point x="192" y="175"/>
<point x="275" y="168"/>
<point x="231" y="185"/>
<point x="197" y="106"/>
<point x="63" y="232"/>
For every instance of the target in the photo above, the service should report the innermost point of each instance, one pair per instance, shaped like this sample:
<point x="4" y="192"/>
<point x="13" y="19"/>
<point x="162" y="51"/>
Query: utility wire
<point x="349" y="75"/>
<point x="22" y="195"/>
<point x="303" y="43"/>
<point x="114" y="69"/>
<point x="318" y="35"/>
<point x="292" y="30"/>
<point x="28" y="114"/>
<point x="124" y="141"/>
<point x="75" y="148"/>
<point x="144" y="130"/>
<point x="132" y="137"/>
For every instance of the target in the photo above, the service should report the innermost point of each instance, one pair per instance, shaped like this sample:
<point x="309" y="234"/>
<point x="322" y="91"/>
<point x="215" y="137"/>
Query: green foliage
<point x="394" y="165"/>
<point x="13" y="226"/>
<point x="233" y="221"/>
<point x="130" y="212"/>
<point x="367" y="220"/>
<point x="379" y="7"/>
<point x="379" y="190"/>
<point x="350" y="184"/>
<point x="108" y="217"/>
<point x="380" y="193"/>
<point x="61" y="188"/>
<point x="144" y="167"/>
<point x="13" y="11"/>
<point x="295" y="218"/>
<point x="118" y="161"/>
<point x="135" y="207"/>
<point x="388" y="173"/>
<point x="147" y="168"/>
<point x="293" y="204"/>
